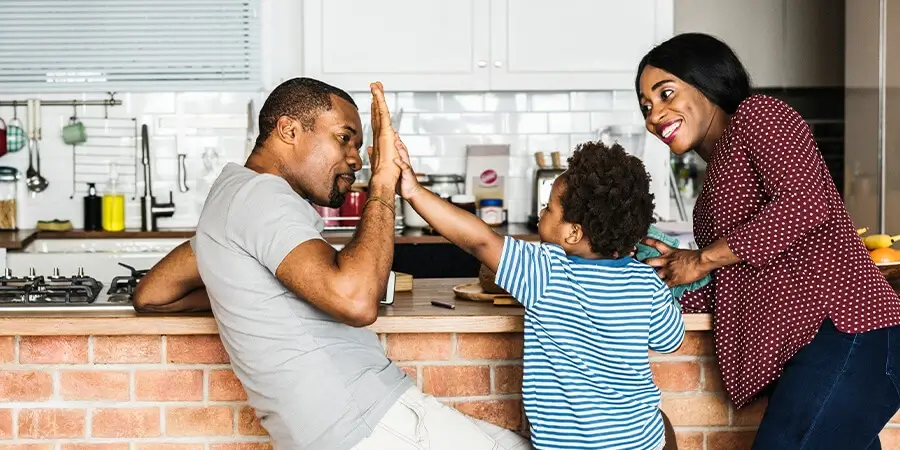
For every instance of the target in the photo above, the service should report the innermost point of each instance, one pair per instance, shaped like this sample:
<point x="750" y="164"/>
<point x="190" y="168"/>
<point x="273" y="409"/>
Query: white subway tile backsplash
<point x="436" y="128"/>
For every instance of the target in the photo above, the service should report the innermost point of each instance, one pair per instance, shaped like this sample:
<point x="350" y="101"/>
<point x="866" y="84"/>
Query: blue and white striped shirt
<point x="588" y="327"/>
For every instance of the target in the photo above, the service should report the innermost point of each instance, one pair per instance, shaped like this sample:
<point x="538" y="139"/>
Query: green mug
<point x="74" y="133"/>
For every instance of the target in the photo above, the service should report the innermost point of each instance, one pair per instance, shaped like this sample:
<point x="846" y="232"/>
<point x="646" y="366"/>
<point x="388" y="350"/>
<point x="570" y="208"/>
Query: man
<point x="291" y="310"/>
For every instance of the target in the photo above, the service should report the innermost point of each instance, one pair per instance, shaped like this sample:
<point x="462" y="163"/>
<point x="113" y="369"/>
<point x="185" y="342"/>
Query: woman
<point x="800" y="308"/>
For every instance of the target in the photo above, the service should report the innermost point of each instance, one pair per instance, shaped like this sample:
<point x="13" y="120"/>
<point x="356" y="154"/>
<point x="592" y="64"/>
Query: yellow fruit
<point x="862" y="231"/>
<point x="885" y="255"/>
<point x="876" y="241"/>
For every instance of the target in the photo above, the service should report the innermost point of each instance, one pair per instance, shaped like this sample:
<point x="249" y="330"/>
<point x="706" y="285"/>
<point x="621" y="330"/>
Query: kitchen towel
<point x="645" y="251"/>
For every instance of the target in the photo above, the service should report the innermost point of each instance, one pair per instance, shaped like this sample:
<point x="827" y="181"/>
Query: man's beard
<point x="335" y="197"/>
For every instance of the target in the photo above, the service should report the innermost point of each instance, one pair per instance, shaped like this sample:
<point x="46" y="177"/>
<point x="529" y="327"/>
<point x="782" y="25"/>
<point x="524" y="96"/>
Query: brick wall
<point x="178" y="392"/>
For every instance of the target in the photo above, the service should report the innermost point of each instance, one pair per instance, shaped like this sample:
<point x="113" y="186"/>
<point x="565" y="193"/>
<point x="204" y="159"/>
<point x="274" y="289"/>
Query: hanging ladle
<point x="34" y="181"/>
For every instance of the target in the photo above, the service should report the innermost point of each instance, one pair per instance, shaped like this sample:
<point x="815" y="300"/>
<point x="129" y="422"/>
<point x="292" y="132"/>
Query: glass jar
<point x="9" y="178"/>
<point x="446" y="185"/>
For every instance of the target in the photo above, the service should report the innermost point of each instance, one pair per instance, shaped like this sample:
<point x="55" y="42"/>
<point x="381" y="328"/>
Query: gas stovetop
<point x="67" y="293"/>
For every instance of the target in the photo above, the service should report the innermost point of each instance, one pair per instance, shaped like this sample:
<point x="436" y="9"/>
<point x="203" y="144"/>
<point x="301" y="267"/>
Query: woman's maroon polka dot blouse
<point x="769" y="193"/>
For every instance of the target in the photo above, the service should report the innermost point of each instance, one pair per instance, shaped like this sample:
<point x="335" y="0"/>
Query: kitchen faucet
<point x="150" y="209"/>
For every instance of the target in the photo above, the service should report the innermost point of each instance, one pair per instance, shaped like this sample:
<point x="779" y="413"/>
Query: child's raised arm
<point x="458" y="226"/>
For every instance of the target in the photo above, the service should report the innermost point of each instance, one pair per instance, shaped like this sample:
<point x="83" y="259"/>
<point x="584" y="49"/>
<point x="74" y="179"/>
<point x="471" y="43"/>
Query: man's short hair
<point x="302" y="99"/>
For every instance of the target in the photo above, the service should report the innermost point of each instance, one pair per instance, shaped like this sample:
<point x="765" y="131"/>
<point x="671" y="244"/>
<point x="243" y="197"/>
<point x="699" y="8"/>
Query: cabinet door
<point x="753" y="29"/>
<point x="421" y="45"/>
<point x="573" y="44"/>
<point x="814" y="43"/>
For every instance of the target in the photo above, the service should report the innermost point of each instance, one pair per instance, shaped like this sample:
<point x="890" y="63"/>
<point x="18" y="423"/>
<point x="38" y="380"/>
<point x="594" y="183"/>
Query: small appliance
<point x="543" y="182"/>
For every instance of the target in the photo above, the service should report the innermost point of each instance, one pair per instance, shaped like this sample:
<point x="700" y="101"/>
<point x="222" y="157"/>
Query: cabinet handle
<point x="498" y="63"/>
<point x="482" y="63"/>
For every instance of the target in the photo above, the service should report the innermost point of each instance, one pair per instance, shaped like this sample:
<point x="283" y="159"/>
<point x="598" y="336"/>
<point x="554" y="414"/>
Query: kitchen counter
<point x="13" y="240"/>
<point x="412" y="312"/>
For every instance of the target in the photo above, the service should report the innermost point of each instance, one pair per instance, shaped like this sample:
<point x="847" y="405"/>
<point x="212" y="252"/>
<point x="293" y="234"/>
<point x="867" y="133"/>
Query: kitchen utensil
<point x="446" y="185"/>
<point x="251" y="138"/>
<point x="403" y="282"/>
<point x="3" y="144"/>
<point x="891" y="271"/>
<point x="35" y="182"/>
<point x="182" y="173"/>
<point x="16" y="137"/>
<point x="352" y="208"/>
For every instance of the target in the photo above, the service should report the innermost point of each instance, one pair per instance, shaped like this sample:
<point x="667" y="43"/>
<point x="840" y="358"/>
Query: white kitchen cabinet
<point x="573" y="44"/>
<point x="440" y="45"/>
<point x="413" y="45"/>
<point x="782" y="43"/>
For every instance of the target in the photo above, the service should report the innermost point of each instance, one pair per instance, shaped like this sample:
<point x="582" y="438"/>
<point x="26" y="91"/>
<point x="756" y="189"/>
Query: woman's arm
<point x="784" y="155"/>
<point x="172" y="285"/>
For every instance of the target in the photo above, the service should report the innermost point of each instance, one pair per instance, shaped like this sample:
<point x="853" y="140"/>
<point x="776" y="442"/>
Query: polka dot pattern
<point x="769" y="193"/>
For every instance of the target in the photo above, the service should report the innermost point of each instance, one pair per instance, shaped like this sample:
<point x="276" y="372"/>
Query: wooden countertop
<point x="412" y="312"/>
<point x="14" y="240"/>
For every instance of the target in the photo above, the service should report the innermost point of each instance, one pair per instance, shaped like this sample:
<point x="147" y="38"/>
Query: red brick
<point x="696" y="410"/>
<point x="117" y="446"/>
<point x="890" y="438"/>
<point x="504" y="413"/>
<point x="25" y="386"/>
<point x="412" y="371"/>
<point x="44" y="423"/>
<point x="53" y="349"/>
<point x="164" y="446"/>
<point x="127" y="349"/>
<point x="6" y="423"/>
<point x="168" y="385"/>
<point x="712" y="377"/>
<point x="7" y="349"/>
<point x="224" y="386"/>
<point x="730" y="440"/>
<point x="489" y="346"/>
<point x="125" y="422"/>
<point x="676" y="375"/>
<point x="242" y="446"/>
<point x="94" y="385"/>
<point x="26" y="446"/>
<point x="419" y="347"/>
<point x="199" y="421"/>
<point x="687" y="440"/>
<point x="750" y="415"/>
<point x="696" y="343"/>
<point x="248" y="423"/>
<point x="456" y="381"/>
<point x="508" y="379"/>
<point x="195" y="349"/>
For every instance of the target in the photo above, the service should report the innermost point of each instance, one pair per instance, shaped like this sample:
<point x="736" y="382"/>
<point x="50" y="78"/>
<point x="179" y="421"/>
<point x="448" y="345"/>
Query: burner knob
<point x="81" y="271"/>
<point x="8" y="272"/>
<point x="56" y="271"/>
<point x="31" y="272"/>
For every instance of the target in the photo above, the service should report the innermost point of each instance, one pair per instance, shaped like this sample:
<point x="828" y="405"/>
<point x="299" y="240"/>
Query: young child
<point x="591" y="310"/>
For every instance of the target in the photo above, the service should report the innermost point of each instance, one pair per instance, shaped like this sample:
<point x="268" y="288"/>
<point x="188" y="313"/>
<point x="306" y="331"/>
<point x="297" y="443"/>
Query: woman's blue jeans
<point x="837" y="392"/>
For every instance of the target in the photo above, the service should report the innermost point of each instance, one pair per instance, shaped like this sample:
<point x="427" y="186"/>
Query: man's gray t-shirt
<point x="315" y="383"/>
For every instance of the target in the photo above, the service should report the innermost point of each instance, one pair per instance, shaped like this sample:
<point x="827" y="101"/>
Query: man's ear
<point x="285" y="129"/>
<point x="575" y="234"/>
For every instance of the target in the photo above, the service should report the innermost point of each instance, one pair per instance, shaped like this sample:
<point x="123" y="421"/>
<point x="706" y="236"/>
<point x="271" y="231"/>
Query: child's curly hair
<point x="607" y="192"/>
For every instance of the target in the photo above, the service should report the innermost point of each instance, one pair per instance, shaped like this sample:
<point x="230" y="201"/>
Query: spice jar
<point x="9" y="177"/>
<point x="491" y="211"/>
<point x="464" y="201"/>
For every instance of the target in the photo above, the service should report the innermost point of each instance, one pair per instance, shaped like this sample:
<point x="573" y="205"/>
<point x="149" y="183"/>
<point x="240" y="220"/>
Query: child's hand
<point x="408" y="186"/>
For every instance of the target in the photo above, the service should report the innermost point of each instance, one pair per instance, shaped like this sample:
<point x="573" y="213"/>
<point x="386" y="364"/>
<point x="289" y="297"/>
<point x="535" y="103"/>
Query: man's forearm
<point x="370" y="253"/>
<point x="455" y="224"/>
<point x="197" y="300"/>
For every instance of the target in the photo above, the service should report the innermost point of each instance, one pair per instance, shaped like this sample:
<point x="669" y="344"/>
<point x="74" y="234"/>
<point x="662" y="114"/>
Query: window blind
<point x="129" y="45"/>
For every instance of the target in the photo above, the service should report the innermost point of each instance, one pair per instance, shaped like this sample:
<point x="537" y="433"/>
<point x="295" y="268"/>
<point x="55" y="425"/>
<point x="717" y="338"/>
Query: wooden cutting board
<point x="474" y="292"/>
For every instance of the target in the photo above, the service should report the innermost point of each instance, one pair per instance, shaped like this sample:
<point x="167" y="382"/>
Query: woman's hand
<point x="676" y="266"/>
